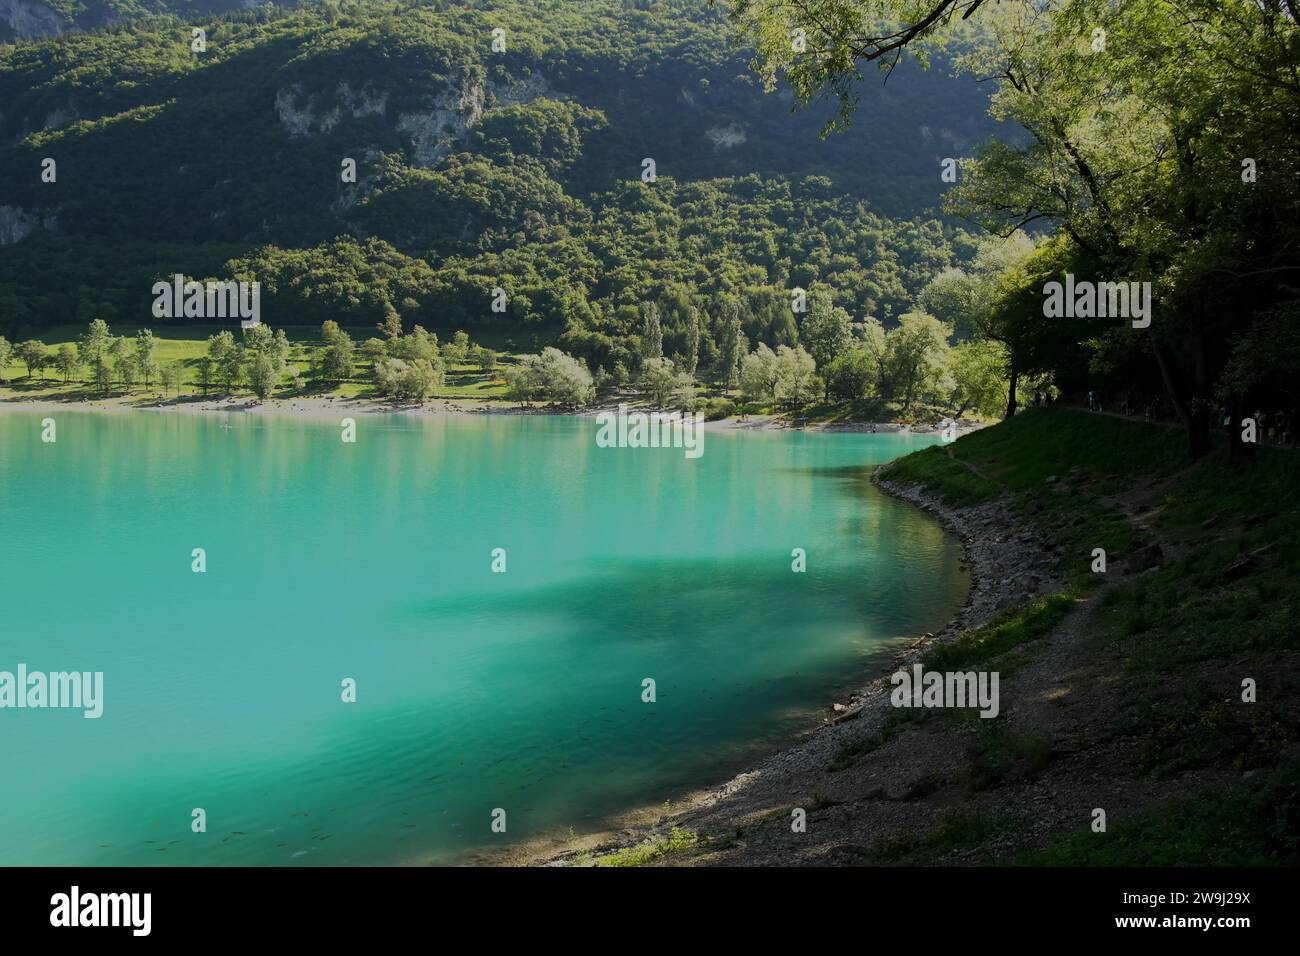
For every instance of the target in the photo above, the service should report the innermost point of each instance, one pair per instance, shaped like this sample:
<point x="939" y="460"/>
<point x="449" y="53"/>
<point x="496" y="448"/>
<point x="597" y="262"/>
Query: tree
<point x="850" y="375"/>
<point x="875" y="348"/>
<point x="456" y="351"/>
<point x="731" y="351"/>
<point x="93" y="344"/>
<point x="207" y="373"/>
<point x="92" y="347"/>
<point x="330" y="332"/>
<point x="420" y="344"/>
<point x="171" y="376"/>
<point x="652" y="333"/>
<point x="551" y="376"/>
<point x="6" y="355"/>
<point x="119" y="354"/>
<point x="666" y="385"/>
<point x="797" y="372"/>
<point x="145" y="363"/>
<point x="838" y="36"/>
<point x="374" y="350"/>
<point x="262" y="375"/>
<point x="125" y="368"/>
<point x="337" y="360"/>
<point x="484" y="358"/>
<point x="978" y="383"/>
<point x="391" y="326"/>
<point x="917" y="353"/>
<point x="827" y="329"/>
<point x="411" y="381"/>
<point x="760" y="375"/>
<point x="66" y="361"/>
<point x="522" y="383"/>
<point x="280" y="350"/>
<point x="32" y="354"/>
<point x="227" y="359"/>
<point x="258" y="338"/>
<point x="1142" y="169"/>
<point x="993" y="300"/>
<point x="420" y="379"/>
<point x="694" y="328"/>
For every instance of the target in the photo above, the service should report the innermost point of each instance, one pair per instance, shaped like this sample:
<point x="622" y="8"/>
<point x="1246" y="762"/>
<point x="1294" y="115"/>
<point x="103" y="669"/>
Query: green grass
<point x="872" y="410"/>
<point x="1007" y="630"/>
<point x="188" y="344"/>
<point x="1000" y="756"/>
<point x="956" y="831"/>
<point x="678" y="839"/>
<point x="954" y="483"/>
<point x="1255" y="824"/>
<point x="1025" y="451"/>
<point x="1218" y="603"/>
<point x="894" y="723"/>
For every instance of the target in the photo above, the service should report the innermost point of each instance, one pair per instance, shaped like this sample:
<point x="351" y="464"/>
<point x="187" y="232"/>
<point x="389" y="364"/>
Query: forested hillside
<point x="521" y="169"/>
<point x="34" y="19"/>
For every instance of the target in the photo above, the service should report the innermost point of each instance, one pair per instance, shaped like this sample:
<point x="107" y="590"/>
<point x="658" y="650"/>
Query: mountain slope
<point x="468" y="159"/>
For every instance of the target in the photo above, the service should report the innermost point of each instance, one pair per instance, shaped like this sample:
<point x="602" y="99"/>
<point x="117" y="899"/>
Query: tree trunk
<point x="1012" y="384"/>
<point x="1195" y="425"/>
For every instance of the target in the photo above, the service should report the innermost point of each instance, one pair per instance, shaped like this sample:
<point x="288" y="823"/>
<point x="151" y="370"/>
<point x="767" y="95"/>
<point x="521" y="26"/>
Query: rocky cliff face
<point x="301" y="113"/>
<point x="726" y="137"/>
<point x="28" y="19"/>
<point x="17" y="224"/>
<point x="453" y="114"/>
<point x="433" y="131"/>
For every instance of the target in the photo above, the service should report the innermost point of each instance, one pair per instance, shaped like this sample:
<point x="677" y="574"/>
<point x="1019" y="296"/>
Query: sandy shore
<point x="316" y="408"/>
<point x="328" y="408"/>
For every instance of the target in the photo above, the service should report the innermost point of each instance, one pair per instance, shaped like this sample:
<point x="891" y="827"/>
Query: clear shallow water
<point x="373" y="561"/>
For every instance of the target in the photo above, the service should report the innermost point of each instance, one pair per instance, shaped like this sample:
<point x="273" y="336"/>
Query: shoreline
<point x="328" y="408"/>
<point x="996" y="548"/>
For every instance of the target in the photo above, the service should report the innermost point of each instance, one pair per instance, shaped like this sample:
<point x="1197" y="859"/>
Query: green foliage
<point x="551" y="376"/>
<point x="1006" y="631"/>
<point x="475" y="171"/>
<point x="665" y="385"/>
<point x="786" y="375"/>
<point x="1151" y="127"/>
<point x="1253" y="824"/>
<point x="678" y="840"/>
<point x="953" y="482"/>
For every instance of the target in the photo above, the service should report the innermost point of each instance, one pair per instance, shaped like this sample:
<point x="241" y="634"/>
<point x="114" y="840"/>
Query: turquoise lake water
<point x="475" y="690"/>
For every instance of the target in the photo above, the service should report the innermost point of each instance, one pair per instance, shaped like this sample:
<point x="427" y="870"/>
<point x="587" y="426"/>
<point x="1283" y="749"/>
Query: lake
<point x="475" y="690"/>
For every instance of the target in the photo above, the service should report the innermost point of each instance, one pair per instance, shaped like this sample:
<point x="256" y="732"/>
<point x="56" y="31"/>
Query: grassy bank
<point x="187" y="345"/>
<point x="1199" y="595"/>
<point x="1129" y="600"/>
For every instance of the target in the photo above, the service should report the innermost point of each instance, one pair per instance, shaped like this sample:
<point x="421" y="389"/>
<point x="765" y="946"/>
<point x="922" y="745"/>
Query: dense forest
<point x="1163" y="146"/>
<point x="520" y="169"/>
